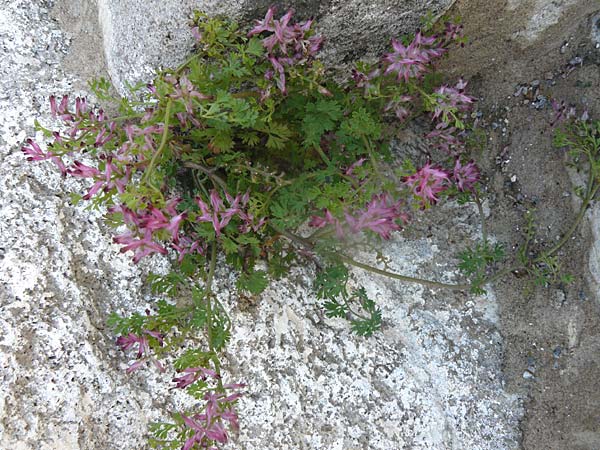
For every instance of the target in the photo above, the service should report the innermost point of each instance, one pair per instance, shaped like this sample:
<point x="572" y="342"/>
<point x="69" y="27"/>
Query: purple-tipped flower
<point x="465" y="176"/>
<point x="447" y="139"/>
<point x="451" y="100"/>
<point x="209" y="427"/>
<point x="287" y="45"/>
<point x="380" y="216"/>
<point x="126" y="342"/>
<point x="410" y="62"/>
<point x="193" y="374"/>
<point x="143" y="354"/>
<point x="141" y="247"/>
<point x="453" y="31"/>
<point x="328" y="219"/>
<point x="34" y="152"/>
<point x="220" y="216"/>
<point x="427" y="182"/>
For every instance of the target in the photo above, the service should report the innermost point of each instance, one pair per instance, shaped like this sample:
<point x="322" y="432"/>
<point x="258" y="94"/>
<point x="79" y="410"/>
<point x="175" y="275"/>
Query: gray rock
<point x="136" y="44"/>
<point x="431" y="379"/>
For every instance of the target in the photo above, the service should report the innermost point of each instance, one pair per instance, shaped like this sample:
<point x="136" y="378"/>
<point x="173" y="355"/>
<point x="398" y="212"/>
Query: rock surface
<point x="431" y="380"/>
<point x="136" y="44"/>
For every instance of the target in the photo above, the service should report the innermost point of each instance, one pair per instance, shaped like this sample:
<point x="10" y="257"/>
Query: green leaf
<point x="335" y="309"/>
<point x="366" y="327"/>
<point x="254" y="282"/>
<point x="255" y="47"/>
<point x="229" y="245"/>
<point x="320" y="117"/>
<point x="331" y="282"/>
<point x="361" y="123"/>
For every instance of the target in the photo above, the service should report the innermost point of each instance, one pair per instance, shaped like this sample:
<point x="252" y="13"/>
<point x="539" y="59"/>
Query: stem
<point x="210" y="173"/>
<point x="434" y="284"/>
<point x="323" y="156"/>
<point x="396" y="276"/>
<point x="209" y="319"/>
<point x="163" y="141"/>
<point x="590" y="194"/>
<point x="481" y="215"/>
<point x="373" y="159"/>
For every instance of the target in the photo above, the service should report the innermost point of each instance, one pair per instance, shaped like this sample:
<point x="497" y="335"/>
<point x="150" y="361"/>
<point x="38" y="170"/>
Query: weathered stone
<point x="137" y="43"/>
<point x="431" y="379"/>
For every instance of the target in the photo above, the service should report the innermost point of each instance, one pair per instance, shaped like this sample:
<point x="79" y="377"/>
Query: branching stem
<point x="163" y="141"/>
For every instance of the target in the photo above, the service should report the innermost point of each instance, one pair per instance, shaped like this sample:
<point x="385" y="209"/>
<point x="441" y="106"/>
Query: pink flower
<point x="451" y="99"/>
<point x="141" y="247"/>
<point x="220" y="216"/>
<point x="447" y="139"/>
<point x="380" y="216"/>
<point x="410" y="62"/>
<point x="320" y="222"/>
<point x="34" y="152"/>
<point x="465" y="176"/>
<point x="193" y="374"/>
<point x="288" y="44"/>
<point x="427" y="182"/>
<point x="126" y="342"/>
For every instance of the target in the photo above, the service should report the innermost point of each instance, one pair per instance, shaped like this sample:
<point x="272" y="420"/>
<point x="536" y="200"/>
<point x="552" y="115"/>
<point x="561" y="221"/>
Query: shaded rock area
<point x="137" y="43"/>
<point x="446" y="372"/>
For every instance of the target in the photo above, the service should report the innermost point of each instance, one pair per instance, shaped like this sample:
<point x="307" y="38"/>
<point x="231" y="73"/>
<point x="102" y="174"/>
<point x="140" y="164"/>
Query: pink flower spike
<point x="82" y="171"/>
<point x="64" y="103"/>
<point x="34" y="152"/>
<point x="427" y="182"/>
<point x="156" y="335"/>
<point x="53" y="109"/>
<point x="265" y="25"/>
<point x="466" y="176"/>
<point x="379" y="215"/>
<point x="135" y="366"/>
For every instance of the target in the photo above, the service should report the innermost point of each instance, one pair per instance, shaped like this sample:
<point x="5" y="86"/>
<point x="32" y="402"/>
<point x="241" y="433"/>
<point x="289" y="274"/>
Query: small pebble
<point x="528" y="375"/>
<point x="513" y="179"/>
<point x="578" y="60"/>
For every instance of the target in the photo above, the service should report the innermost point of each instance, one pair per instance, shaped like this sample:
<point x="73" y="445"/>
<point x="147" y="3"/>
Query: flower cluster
<point x="449" y="106"/>
<point x="144" y="224"/>
<point x="380" y="215"/>
<point x="220" y="216"/>
<point x="143" y="354"/>
<point x="450" y="101"/>
<point x="411" y="61"/>
<point x="288" y="44"/>
<point x="429" y="181"/>
<point x="208" y="427"/>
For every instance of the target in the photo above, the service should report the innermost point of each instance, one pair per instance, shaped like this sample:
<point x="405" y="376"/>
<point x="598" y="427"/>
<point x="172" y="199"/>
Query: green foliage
<point x="475" y="261"/>
<point x="254" y="282"/>
<point x="331" y="286"/>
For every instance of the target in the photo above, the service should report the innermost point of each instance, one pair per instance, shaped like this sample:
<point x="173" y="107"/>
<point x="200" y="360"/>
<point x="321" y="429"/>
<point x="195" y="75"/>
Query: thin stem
<point x="396" y="276"/>
<point x="481" y="215"/>
<point x="208" y="172"/>
<point x="434" y="284"/>
<point x="209" y="318"/>
<point x="323" y="156"/>
<point x="591" y="193"/>
<point x="163" y="141"/>
<point x="373" y="159"/>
